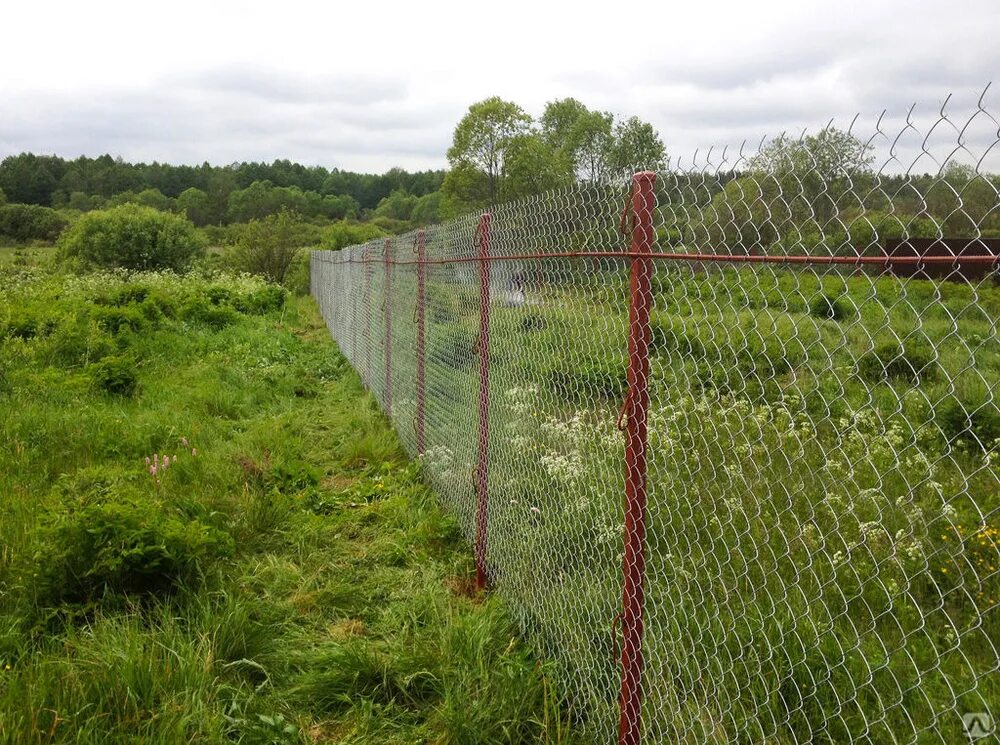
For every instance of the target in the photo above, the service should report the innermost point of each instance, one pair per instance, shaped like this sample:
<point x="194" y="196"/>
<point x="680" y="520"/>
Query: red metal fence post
<point x="482" y="467"/>
<point x="421" y="276"/>
<point x="387" y="302"/>
<point x="642" y="204"/>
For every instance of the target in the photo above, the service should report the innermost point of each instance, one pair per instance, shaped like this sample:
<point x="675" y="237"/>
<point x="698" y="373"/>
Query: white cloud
<point x="369" y="86"/>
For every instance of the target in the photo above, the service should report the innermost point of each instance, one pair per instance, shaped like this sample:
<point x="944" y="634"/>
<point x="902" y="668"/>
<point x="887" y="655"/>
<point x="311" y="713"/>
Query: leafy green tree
<point x="84" y="202"/>
<point x="559" y="120"/>
<point x="344" y="233"/>
<point x="637" y="146"/>
<point x="482" y="140"/>
<point x="29" y="178"/>
<point x="465" y="189"/>
<point x="427" y="210"/>
<point x="30" y="222"/>
<point x="133" y="237"/>
<point x="534" y="166"/>
<point x="268" y="247"/>
<point x="962" y="201"/>
<point x="197" y="205"/>
<point x="816" y="172"/>
<point x="3" y="198"/>
<point x="398" y="206"/>
<point x="262" y="198"/>
<point x="598" y="148"/>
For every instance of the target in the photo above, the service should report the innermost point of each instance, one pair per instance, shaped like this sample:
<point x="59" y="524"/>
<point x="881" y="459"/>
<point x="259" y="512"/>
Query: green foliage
<point x="258" y="302"/>
<point x="345" y="233"/>
<point x="970" y="421"/>
<point x="397" y="206"/>
<point x="116" y="376"/>
<point x="204" y="312"/>
<point x="204" y="602"/>
<point x="427" y="209"/>
<point x="197" y="205"/>
<point x="482" y="140"/>
<point x="829" y="307"/>
<point x="601" y="379"/>
<point x="126" y="545"/>
<point x="132" y="237"/>
<point x="268" y="246"/>
<point x="891" y="360"/>
<point x="28" y="222"/>
<point x="115" y="320"/>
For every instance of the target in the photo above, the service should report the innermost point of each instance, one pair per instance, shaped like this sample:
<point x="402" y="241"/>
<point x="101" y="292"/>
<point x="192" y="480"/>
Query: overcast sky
<point x="371" y="85"/>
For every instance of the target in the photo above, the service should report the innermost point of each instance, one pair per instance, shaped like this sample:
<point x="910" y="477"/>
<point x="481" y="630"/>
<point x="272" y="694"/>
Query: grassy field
<point x="208" y="533"/>
<point x="824" y="519"/>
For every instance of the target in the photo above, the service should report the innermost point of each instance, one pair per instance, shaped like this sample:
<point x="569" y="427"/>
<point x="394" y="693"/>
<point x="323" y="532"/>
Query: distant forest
<point x="210" y="194"/>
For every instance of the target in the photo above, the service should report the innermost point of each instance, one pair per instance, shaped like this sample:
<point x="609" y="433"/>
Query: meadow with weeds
<point x="208" y="533"/>
<point x="824" y="462"/>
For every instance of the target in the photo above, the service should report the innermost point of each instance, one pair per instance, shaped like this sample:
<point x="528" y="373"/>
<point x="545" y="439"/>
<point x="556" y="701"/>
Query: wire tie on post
<point x="620" y="422"/>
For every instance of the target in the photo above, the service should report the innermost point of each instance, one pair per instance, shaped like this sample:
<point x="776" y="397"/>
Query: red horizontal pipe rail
<point x="720" y="258"/>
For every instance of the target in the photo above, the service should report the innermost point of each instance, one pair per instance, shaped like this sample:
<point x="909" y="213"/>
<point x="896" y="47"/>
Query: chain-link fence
<point x="731" y="455"/>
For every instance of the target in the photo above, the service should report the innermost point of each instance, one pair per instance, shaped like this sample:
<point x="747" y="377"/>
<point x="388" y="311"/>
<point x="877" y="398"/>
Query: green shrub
<point x="345" y="233"/>
<point x="600" y="378"/>
<point x="533" y="322"/>
<point x="116" y="375"/>
<point x="132" y="237"/>
<point x="892" y="361"/>
<point x="201" y="311"/>
<point x="30" y="222"/>
<point x="23" y="325"/>
<point x="976" y="423"/>
<point x="115" y="320"/>
<point x="264" y="300"/>
<point x="217" y="294"/>
<point x="454" y="347"/>
<point x="126" y="295"/>
<point x="268" y="247"/>
<point x="829" y="308"/>
<point x="128" y="546"/>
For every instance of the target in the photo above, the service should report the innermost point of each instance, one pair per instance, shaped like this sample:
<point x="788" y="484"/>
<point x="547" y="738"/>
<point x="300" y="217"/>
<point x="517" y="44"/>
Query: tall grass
<point x="286" y="578"/>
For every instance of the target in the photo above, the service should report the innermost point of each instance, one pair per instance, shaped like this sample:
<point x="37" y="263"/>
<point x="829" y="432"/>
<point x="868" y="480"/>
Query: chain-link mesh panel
<point x="786" y="365"/>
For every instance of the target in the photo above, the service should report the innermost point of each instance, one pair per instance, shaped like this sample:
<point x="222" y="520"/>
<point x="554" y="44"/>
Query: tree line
<point x="82" y="183"/>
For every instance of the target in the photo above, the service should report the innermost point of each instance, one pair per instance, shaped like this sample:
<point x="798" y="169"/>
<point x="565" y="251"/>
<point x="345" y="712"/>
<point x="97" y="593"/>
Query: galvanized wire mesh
<point x="822" y="539"/>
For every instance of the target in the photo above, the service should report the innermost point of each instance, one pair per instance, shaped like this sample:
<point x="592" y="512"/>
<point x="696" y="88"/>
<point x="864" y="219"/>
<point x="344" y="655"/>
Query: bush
<point x="127" y="295"/>
<point x="30" y="222"/>
<point x="829" y="308"/>
<point x="268" y="247"/>
<point x="601" y="378"/>
<point x="201" y="311"/>
<point x="132" y="237"/>
<point x="262" y="301"/>
<point x="115" y="320"/>
<point x="116" y="375"/>
<point x="893" y="361"/>
<point x="344" y="233"/>
<point x="975" y="423"/>
<point x="128" y="546"/>
<point x="26" y="326"/>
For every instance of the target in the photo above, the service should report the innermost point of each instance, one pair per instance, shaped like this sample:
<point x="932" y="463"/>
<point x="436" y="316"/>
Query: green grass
<point x="289" y="578"/>
<point x="824" y="511"/>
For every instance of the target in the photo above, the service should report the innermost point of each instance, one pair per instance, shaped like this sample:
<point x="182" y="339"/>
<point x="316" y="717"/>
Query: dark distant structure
<point x="959" y="271"/>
